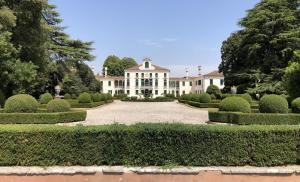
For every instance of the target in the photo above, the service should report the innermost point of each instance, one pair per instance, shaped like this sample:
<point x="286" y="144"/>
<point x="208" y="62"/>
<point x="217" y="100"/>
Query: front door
<point x="147" y="94"/>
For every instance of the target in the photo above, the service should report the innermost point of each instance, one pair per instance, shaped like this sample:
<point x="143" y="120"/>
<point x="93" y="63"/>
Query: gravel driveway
<point x="141" y="112"/>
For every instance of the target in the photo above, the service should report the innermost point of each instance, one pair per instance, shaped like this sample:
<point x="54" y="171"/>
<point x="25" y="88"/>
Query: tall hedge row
<point x="148" y="144"/>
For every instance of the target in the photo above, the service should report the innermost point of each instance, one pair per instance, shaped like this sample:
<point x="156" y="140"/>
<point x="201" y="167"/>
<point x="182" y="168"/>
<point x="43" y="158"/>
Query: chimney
<point x="187" y="72"/>
<point x="199" y="70"/>
<point x="105" y="72"/>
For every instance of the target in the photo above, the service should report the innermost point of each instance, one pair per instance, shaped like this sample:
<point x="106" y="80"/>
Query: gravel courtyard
<point x="137" y="112"/>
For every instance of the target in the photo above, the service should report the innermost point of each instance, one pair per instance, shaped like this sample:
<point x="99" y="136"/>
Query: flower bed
<point x="149" y="145"/>
<point x="42" y="117"/>
<point x="255" y="118"/>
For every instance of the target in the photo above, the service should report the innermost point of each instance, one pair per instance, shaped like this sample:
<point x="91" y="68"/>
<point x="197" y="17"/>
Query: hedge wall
<point x="148" y="145"/>
<point x="75" y="104"/>
<point x="42" y="117"/>
<point x="255" y="118"/>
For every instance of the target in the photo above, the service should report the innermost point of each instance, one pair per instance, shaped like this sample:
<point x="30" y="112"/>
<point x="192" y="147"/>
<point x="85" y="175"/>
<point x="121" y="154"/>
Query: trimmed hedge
<point x="204" y="98"/>
<point x="214" y="90"/>
<point x="202" y="105"/>
<point x="96" y="97"/>
<point x="235" y="104"/>
<point x="42" y="117"/>
<point x="255" y="118"/>
<point x="45" y="98"/>
<point x="149" y="145"/>
<point x="296" y="105"/>
<point x="21" y="103"/>
<point x="67" y="96"/>
<point x="273" y="104"/>
<point x="75" y="104"/>
<point x="58" y="105"/>
<point x="85" y="98"/>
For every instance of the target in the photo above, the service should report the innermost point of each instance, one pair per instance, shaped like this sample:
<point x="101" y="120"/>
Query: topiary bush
<point x="45" y="98"/>
<point x="204" y="98"/>
<point x="296" y="105"/>
<point x="195" y="97"/>
<point x="247" y="97"/>
<point x="213" y="89"/>
<point x="84" y="98"/>
<point x="58" y="105"/>
<point x="73" y="96"/>
<point x="235" y="104"/>
<point x="21" y="103"/>
<point x="67" y="96"/>
<point x="96" y="97"/>
<point x="273" y="104"/>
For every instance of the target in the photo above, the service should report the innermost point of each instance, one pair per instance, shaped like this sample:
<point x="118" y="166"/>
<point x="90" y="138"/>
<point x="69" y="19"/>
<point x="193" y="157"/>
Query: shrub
<point x="213" y="89"/>
<point x="149" y="145"/>
<point x="42" y="117"/>
<point x="204" y="98"/>
<point x="247" y="97"/>
<point x="45" y="98"/>
<point x="96" y="97"/>
<point x="109" y="97"/>
<point x="21" y="103"/>
<point x="273" y="104"/>
<point x="195" y="97"/>
<point x="133" y="98"/>
<point x="170" y="96"/>
<point x="84" y="98"/>
<point x="213" y="97"/>
<point x="58" y="105"/>
<point x="296" y="105"/>
<point x="235" y="104"/>
<point x="202" y="105"/>
<point x="73" y="96"/>
<point x="67" y="96"/>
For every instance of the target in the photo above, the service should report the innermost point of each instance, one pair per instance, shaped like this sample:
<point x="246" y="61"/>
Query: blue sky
<point x="173" y="33"/>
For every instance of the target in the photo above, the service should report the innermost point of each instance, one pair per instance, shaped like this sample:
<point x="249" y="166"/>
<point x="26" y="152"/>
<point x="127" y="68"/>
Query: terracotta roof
<point x="215" y="73"/>
<point x="156" y="68"/>
<point x="101" y="77"/>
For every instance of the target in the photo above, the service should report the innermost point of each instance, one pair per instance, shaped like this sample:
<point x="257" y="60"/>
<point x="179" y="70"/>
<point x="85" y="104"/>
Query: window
<point x="143" y="75"/>
<point x="156" y="92"/>
<point x="165" y="92"/>
<point x="109" y="83"/>
<point x="199" y="82"/>
<point x="165" y="82"/>
<point x="136" y="82"/>
<point x="183" y="83"/>
<point x="150" y="75"/>
<point x="146" y="64"/>
<point x="128" y="75"/>
<point x="136" y="75"/>
<point x="191" y="83"/>
<point x="156" y="82"/>
<point x="211" y="81"/>
<point x="128" y="83"/>
<point x="165" y="75"/>
<point x="151" y="82"/>
<point x="183" y="92"/>
<point x="156" y="75"/>
<point x="128" y="92"/>
<point x="136" y="92"/>
<point x="142" y="82"/>
<point x="221" y="81"/>
<point x="110" y="91"/>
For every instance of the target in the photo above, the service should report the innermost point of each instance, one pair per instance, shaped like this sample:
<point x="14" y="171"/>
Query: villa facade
<point x="149" y="80"/>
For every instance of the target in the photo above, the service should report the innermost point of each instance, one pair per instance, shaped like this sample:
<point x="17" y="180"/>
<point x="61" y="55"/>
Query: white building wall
<point x="216" y="81"/>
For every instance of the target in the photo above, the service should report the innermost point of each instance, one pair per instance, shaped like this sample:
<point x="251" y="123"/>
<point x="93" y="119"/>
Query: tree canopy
<point x="257" y="55"/>
<point x="116" y="66"/>
<point x="35" y="52"/>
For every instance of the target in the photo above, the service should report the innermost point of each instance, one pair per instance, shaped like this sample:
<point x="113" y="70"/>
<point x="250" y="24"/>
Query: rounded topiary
<point x="273" y="104"/>
<point x="21" y="103"/>
<point x="58" y="105"/>
<point x="213" y="89"/>
<point x="96" y="97"/>
<point x="235" y="104"/>
<point x="194" y="97"/>
<point x="84" y="98"/>
<point x="45" y="98"/>
<point x="67" y="96"/>
<point x="205" y="98"/>
<point x="73" y="96"/>
<point x="296" y="105"/>
<point x="247" y="97"/>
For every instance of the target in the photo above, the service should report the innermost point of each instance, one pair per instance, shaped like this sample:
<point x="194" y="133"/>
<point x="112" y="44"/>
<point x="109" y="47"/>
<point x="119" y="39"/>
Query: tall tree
<point x="116" y="66"/>
<point x="269" y="36"/>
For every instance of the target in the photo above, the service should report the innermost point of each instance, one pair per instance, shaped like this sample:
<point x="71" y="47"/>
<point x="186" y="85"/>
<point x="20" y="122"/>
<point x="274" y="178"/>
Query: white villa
<point x="147" y="80"/>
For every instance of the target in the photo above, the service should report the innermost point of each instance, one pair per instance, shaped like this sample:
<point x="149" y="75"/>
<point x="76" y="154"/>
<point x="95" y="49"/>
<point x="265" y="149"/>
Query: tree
<point x="116" y="66"/>
<point x="269" y="35"/>
<point x="292" y="75"/>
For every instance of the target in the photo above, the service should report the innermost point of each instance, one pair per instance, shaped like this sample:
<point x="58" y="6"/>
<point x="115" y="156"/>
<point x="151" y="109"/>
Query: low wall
<point x="149" y="174"/>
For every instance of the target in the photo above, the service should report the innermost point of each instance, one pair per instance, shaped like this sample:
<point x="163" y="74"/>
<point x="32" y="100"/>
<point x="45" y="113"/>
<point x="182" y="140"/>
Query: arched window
<point x="146" y="64"/>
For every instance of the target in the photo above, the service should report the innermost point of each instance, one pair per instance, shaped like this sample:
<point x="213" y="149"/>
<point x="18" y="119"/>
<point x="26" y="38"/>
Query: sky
<point x="176" y="34"/>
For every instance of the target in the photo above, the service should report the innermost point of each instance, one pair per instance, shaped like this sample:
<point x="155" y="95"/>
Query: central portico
<point x="146" y="80"/>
